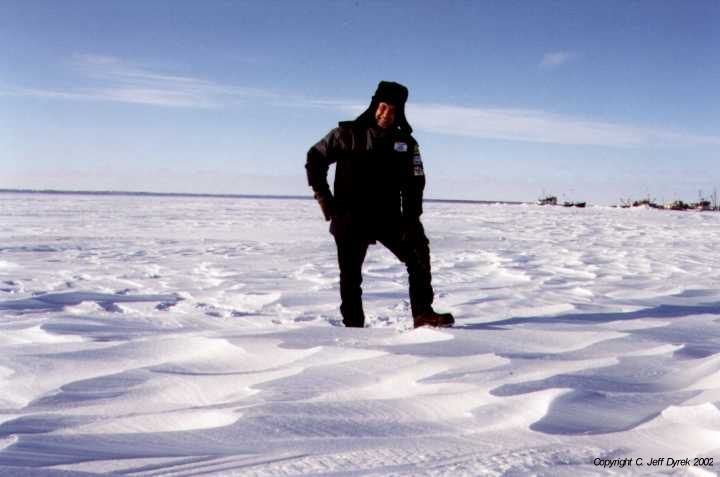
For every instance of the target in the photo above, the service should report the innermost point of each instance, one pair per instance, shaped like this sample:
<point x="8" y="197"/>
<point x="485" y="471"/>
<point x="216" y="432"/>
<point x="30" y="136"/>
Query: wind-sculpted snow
<point x="201" y="336"/>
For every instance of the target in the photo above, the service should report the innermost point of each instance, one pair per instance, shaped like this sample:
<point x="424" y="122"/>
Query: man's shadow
<point x="660" y="311"/>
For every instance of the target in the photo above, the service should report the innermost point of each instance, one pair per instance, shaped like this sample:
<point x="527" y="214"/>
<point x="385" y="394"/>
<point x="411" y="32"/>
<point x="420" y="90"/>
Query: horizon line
<point x="224" y="196"/>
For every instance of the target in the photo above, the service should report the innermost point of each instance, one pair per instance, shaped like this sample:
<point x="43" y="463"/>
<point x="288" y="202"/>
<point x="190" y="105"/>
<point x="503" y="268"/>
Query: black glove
<point x="325" y="199"/>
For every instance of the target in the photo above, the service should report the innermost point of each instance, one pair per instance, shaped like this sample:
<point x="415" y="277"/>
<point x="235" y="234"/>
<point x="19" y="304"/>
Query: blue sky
<point x="589" y="100"/>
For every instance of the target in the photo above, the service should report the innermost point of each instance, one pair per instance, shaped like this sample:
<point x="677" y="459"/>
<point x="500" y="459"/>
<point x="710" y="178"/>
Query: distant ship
<point x="549" y="200"/>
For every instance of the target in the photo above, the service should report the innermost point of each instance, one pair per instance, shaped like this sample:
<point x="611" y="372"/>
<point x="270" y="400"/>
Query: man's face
<point x="385" y="115"/>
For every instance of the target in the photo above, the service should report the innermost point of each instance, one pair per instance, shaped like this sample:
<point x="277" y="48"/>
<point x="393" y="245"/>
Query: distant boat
<point x="646" y="203"/>
<point x="574" y="204"/>
<point x="677" y="205"/>
<point x="702" y="205"/>
<point x="549" y="200"/>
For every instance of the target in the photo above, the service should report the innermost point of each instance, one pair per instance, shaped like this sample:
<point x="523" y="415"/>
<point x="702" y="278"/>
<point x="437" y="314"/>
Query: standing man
<point x="379" y="182"/>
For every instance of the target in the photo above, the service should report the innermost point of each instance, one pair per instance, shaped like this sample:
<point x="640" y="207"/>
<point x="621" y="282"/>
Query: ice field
<point x="151" y="336"/>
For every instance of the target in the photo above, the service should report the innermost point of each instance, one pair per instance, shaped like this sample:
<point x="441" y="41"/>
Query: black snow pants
<point x="410" y="248"/>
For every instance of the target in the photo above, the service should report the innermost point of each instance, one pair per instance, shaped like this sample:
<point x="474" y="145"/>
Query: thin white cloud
<point x="556" y="58"/>
<point x="120" y="81"/>
<point x="524" y="125"/>
<point x="91" y="59"/>
<point x="108" y="78"/>
<point x="299" y="101"/>
<point x="132" y="95"/>
<point x="541" y="127"/>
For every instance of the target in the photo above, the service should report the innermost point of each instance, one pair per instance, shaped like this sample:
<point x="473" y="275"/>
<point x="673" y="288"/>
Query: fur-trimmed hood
<point x="392" y="93"/>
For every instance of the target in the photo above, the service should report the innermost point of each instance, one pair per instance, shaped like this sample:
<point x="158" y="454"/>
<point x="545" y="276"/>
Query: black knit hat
<point x="392" y="93"/>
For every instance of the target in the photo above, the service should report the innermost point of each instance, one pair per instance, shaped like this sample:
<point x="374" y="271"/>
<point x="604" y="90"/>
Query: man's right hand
<point x="325" y="199"/>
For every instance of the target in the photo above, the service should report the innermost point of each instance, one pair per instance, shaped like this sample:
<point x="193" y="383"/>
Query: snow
<point x="201" y="336"/>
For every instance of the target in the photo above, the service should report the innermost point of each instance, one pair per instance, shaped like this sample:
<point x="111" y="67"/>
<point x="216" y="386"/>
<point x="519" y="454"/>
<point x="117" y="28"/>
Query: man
<point x="379" y="182"/>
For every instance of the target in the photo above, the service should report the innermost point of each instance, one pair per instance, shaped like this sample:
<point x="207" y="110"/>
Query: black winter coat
<point x="379" y="178"/>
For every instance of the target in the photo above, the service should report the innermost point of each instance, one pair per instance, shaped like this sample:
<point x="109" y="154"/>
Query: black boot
<point x="434" y="319"/>
<point x="353" y="318"/>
